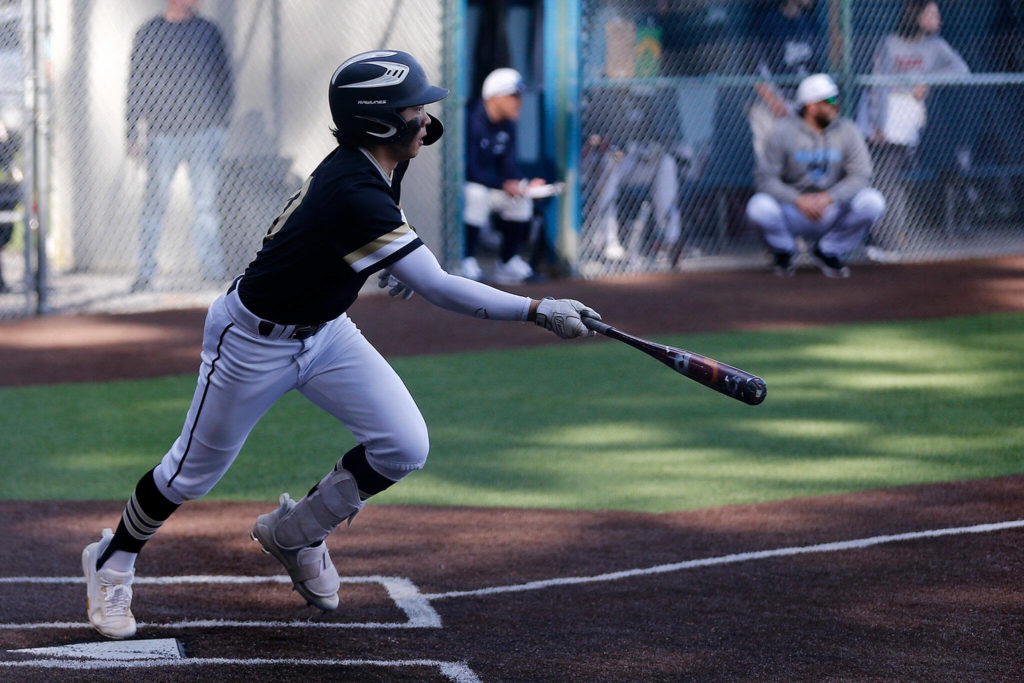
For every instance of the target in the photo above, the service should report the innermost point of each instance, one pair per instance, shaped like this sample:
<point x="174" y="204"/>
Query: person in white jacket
<point x="813" y="183"/>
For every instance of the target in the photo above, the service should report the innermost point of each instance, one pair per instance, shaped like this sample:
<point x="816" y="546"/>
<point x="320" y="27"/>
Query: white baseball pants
<point x="243" y="373"/>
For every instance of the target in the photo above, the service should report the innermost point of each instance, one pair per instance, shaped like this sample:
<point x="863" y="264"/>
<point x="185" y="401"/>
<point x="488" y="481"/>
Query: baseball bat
<point x="726" y="379"/>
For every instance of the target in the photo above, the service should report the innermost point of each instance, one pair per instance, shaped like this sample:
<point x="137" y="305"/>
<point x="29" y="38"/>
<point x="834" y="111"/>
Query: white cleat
<point x="471" y="269"/>
<point x="109" y="593"/>
<point x="511" y="272"/>
<point x="312" y="572"/>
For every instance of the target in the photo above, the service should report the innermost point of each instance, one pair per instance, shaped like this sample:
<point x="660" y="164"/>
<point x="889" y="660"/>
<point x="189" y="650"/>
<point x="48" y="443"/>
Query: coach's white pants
<point x="837" y="233"/>
<point x="243" y="374"/>
<point x="482" y="201"/>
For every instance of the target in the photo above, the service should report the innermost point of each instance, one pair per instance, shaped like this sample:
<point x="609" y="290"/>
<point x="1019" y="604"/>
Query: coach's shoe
<point x="783" y="263"/>
<point x="109" y="593"/>
<point x="511" y="272"/>
<point x="471" y="269"/>
<point x="831" y="266"/>
<point x="313" y="574"/>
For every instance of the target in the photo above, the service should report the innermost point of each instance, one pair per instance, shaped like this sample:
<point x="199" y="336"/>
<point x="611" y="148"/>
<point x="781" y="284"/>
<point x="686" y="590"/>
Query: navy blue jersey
<point x="791" y="47"/>
<point x="342" y="226"/>
<point x="490" y="148"/>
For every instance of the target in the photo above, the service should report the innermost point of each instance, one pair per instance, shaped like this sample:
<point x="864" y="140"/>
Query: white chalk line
<point x="405" y="594"/>
<point x="836" y="546"/>
<point x="456" y="671"/>
<point x="422" y="614"/>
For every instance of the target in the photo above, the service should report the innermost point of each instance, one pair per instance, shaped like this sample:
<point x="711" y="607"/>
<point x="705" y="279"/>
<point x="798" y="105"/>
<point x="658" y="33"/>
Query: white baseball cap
<point x="502" y="82"/>
<point x="816" y="88"/>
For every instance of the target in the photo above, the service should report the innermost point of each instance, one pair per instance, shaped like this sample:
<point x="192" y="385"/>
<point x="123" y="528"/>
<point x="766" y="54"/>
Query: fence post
<point x="562" y="30"/>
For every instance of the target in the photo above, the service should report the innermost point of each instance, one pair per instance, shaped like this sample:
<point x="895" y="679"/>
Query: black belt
<point x="266" y="328"/>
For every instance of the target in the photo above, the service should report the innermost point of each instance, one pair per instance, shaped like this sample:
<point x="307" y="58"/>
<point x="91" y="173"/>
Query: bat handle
<point x="596" y="325"/>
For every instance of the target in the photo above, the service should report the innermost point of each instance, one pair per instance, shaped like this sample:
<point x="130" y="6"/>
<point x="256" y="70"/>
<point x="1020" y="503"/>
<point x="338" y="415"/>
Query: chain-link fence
<point x="148" y="175"/>
<point x="173" y="140"/>
<point x="12" y="136"/>
<point x="679" y="97"/>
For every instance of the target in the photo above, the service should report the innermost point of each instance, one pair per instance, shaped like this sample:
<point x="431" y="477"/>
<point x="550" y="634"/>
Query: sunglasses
<point x="834" y="101"/>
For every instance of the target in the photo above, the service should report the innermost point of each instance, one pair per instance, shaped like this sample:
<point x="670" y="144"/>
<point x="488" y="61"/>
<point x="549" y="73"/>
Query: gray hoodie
<point x="797" y="160"/>
<point x="900" y="56"/>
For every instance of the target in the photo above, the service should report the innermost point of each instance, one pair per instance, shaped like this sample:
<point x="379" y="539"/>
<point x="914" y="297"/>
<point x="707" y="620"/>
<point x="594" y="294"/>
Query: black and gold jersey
<point x="343" y="225"/>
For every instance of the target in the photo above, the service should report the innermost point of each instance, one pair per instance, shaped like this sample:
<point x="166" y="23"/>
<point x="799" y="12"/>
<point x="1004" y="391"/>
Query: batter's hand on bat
<point x="398" y="288"/>
<point x="564" y="317"/>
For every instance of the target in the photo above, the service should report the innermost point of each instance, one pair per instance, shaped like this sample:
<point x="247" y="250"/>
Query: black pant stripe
<point x="202" y="402"/>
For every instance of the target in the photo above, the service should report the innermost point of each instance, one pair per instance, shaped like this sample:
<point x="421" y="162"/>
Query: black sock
<point x="512" y="233"/>
<point x="144" y="514"/>
<point x="472" y="240"/>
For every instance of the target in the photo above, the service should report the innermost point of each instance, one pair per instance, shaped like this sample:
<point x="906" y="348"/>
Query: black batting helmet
<point x="369" y="90"/>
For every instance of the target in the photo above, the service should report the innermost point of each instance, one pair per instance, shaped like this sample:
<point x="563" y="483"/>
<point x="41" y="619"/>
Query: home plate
<point x="113" y="651"/>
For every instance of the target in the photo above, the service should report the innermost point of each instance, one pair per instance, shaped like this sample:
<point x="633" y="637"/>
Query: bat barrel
<point x="726" y="379"/>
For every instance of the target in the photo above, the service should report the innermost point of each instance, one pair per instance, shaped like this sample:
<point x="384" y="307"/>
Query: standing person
<point x="790" y="45"/>
<point x="282" y="325"/>
<point x="496" y="192"/>
<point x="10" y="191"/>
<point x="893" y="116"/>
<point x="180" y="88"/>
<point x="812" y="183"/>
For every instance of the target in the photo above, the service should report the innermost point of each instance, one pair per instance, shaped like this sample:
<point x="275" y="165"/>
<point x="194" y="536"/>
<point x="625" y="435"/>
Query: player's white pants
<point x="837" y="233"/>
<point x="244" y="373"/>
<point x="482" y="201"/>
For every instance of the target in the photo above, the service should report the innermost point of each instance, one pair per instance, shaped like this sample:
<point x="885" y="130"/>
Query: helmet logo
<point x="386" y="133"/>
<point x="394" y="74"/>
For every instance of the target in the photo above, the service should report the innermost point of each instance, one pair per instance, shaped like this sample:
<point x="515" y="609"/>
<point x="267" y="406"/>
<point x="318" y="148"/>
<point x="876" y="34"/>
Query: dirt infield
<point x="807" y="589"/>
<point x="87" y="348"/>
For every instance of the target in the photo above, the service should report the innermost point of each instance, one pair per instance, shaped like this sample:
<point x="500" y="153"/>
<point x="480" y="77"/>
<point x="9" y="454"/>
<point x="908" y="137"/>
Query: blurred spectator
<point x="1004" y="106"/>
<point x="179" y="96"/>
<point x="11" y="124"/>
<point x="1007" y="48"/>
<point x="636" y="180"/>
<point x="10" y="190"/>
<point x="896" y="113"/>
<point x="813" y="183"/>
<point x="894" y="116"/>
<point x="495" y="191"/>
<point x="699" y="38"/>
<point x="789" y="45"/>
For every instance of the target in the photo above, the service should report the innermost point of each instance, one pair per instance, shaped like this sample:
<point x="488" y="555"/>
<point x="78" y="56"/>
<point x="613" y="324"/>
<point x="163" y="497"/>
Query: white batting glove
<point x="564" y="317"/>
<point x="398" y="288"/>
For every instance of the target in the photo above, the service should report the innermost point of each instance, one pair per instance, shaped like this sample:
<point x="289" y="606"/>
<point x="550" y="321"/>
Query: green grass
<point x="593" y="424"/>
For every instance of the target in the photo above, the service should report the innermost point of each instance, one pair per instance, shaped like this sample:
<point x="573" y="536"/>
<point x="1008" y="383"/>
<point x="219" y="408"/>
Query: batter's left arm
<point x="421" y="272"/>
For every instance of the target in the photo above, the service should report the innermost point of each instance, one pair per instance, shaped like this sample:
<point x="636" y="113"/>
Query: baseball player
<point x="282" y="325"/>
<point x="813" y="183"/>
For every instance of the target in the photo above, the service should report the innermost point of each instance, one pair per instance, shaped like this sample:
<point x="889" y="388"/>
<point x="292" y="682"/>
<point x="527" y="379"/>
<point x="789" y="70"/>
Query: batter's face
<point x="411" y="148"/>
